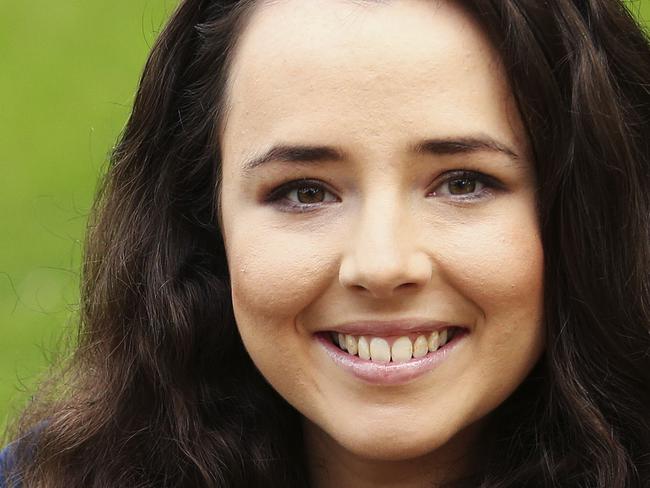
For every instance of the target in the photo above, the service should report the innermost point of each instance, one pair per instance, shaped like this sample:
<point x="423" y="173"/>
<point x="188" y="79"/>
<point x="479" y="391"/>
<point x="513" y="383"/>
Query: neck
<point x="331" y="465"/>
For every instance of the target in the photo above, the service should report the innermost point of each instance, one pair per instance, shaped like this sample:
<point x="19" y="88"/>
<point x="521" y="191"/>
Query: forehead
<point x="347" y="70"/>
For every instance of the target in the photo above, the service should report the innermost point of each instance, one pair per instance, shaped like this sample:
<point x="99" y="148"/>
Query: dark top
<point x="8" y="456"/>
<point x="5" y="464"/>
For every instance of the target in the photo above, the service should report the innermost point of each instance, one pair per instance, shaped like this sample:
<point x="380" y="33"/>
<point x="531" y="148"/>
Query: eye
<point x="466" y="185"/>
<point x="463" y="186"/>
<point x="301" y="194"/>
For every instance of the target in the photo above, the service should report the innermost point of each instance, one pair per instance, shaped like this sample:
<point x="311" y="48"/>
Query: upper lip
<point x="390" y="327"/>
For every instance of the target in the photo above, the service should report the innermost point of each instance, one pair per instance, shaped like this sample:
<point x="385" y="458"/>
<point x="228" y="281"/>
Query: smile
<point x="395" y="349"/>
<point x="391" y="360"/>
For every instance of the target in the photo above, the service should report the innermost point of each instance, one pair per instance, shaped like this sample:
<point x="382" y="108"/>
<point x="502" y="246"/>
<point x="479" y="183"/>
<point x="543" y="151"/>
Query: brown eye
<point x="462" y="186"/>
<point x="310" y="194"/>
<point x="301" y="195"/>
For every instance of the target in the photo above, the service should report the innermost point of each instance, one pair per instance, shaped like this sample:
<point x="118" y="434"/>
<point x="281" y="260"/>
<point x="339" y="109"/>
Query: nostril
<point x="381" y="274"/>
<point x="408" y="286"/>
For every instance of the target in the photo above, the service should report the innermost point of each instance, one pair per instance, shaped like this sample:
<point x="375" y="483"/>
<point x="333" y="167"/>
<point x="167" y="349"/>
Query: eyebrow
<point x="440" y="147"/>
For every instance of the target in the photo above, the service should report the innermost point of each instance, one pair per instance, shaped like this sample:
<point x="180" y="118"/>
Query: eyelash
<point x="279" y="193"/>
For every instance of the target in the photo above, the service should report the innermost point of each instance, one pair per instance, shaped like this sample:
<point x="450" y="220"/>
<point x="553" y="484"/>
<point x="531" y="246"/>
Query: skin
<point x="384" y="236"/>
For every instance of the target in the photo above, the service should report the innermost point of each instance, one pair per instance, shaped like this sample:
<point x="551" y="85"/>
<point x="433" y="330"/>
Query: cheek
<point x="505" y="284"/>
<point x="275" y="273"/>
<point x="498" y="264"/>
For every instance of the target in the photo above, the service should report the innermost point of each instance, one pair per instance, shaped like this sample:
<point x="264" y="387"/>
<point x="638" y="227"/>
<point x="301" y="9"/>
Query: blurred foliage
<point x="69" y="72"/>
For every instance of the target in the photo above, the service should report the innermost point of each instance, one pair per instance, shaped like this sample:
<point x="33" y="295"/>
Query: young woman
<point x="360" y="243"/>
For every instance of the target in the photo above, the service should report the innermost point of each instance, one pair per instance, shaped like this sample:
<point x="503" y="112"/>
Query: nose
<point x="383" y="256"/>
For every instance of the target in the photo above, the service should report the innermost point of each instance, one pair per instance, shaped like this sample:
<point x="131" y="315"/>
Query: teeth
<point x="420" y="347"/>
<point x="433" y="341"/>
<point x="402" y="350"/>
<point x="351" y="344"/>
<point x="442" y="338"/>
<point x="342" y="342"/>
<point x="364" y="348"/>
<point x="379" y="350"/>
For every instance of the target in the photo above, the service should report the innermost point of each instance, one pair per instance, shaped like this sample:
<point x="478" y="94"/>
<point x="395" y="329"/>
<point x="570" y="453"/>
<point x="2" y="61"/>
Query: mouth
<point x="394" y="359"/>
<point x="394" y="349"/>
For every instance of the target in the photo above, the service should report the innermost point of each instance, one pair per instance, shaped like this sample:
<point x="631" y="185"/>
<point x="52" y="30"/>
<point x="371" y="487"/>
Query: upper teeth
<point x="401" y="350"/>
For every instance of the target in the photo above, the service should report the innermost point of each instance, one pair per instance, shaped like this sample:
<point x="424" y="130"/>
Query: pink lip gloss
<point x="387" y="373"/>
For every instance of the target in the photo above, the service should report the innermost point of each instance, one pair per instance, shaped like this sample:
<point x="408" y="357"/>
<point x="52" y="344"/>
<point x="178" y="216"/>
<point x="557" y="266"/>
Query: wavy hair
<point x="159" y="391"/>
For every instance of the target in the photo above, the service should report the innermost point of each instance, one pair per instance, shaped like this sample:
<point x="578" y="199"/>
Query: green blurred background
<point x="68" y="73"/>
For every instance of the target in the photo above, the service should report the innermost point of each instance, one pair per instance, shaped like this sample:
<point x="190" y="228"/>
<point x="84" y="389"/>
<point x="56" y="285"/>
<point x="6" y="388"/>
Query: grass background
<point x="67" y="78"/>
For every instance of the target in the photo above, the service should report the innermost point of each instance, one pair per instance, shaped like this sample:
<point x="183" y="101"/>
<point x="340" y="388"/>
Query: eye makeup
<point x="458" y="186"/>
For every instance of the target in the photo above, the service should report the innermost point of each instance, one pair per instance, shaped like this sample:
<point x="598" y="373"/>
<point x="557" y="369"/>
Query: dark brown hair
<point x="160" y="392"/>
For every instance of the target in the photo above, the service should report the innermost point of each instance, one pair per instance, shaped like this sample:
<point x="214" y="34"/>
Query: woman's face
<point x="412" y="216"/>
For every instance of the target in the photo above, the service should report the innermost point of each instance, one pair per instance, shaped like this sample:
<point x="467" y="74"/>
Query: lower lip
<point x="388" y="373"/>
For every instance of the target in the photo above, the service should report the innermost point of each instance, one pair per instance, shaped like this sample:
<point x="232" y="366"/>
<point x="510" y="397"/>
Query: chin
<point x="400" y="442"/>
